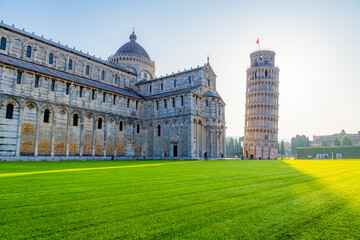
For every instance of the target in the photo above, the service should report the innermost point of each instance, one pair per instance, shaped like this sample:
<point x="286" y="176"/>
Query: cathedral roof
<point x="132" y="48"/>
<point x="42" y="39"/>
<point x="67" y="76"/>
<point x="172" y="93"/>
<point x="211" y="94"/>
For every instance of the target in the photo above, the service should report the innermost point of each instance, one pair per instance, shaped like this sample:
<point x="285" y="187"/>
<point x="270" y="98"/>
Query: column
<point x="2" y="78"/>
<point x="35" y="54"/>
<point x="53" y="134"/>
<point x="179" y="139"/>
<point x="17" y="153"/>
<point x="105" y="134"/>
<point x="81" y="134"/>
<point x="37" y="131"/>
<point x="203" y="150"/>
<point x="56" y="61"/>
<point x="10" y="47"/>
<point x="211" y="142"/>
<point x="116" y="136"/>
<point x="94" y="135"/>
<point x="171" y="153"/>
<point x="68" y="135"/>
<point x="190" y="138"/>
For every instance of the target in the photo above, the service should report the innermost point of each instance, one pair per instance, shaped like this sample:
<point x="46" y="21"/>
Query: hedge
<point x="348" y="152"/>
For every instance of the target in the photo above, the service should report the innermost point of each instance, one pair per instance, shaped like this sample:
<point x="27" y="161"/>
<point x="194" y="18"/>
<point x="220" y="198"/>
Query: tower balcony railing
<point x="262" y="65"/>
<point x="262" y="49"/>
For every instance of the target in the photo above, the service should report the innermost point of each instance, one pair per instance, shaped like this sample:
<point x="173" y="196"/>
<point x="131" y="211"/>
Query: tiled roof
<point x="67" y="76"/>
<point x="172" y="93"/>
<point x="211" y="94"/>
<point x="168" y="76"/>
<point x="65" y="48"/>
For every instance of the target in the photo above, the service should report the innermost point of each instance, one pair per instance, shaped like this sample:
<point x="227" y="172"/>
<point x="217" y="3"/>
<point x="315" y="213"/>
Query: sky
<point x="317" y="45"/>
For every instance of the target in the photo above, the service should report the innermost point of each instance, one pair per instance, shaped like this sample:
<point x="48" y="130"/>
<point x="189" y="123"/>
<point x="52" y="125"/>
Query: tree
<point x="346" y="141"/>
<point x="324" y="144"/>
<point x="230" y="150"/>
<point x="233" y="146"/>
<point x="337" y="142"/>
<point x="282" y="148"/>
<point x="299" y="141"/>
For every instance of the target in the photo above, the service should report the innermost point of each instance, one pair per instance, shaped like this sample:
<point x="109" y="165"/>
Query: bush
<point x="348" y="152"/>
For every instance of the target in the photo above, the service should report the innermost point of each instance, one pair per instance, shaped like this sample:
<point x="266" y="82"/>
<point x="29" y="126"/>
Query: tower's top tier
<point x="262" y="58"/>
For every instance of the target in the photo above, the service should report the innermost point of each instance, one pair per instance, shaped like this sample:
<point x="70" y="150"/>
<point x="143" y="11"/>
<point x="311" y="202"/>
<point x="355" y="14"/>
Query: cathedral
<point x="58" y="103"/>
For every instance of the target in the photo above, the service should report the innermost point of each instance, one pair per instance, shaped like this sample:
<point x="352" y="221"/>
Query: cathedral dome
<point x="132" y="48"/>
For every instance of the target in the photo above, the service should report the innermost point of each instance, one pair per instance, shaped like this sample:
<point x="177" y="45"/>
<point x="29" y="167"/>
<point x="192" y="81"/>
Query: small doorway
<point x="175" y="150"/>
<point x="251" y="157"/>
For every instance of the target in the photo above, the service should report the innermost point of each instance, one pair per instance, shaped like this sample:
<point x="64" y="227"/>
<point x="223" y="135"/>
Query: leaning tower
<point x="261" y="116"/>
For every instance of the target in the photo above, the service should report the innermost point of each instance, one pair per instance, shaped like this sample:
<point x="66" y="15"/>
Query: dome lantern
<point x="133" y="37"/>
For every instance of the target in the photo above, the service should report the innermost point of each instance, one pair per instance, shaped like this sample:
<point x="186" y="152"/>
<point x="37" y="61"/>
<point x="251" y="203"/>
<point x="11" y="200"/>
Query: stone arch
<point x="17" y="47"/>
<point x="120" y="148"/>
<point x="99" y="135"/>
<point x="96" y="73"/>
<point x="129" y="147"/>
<point x="88" y="133"/>
<point x="28" y="128"/>
<point x="61" y="126"/>
<point x="10" y="100"/>
<point x="40" y="55"/>
<point x="61" y="65"/>
<point x="138" y="138"/>
<point x="110" y="136"/>
<point x="25" y="46"/>
<point x="8" y="126"/>
<point x="74" y="138"/>
<point x="78" y="66"/>
<point x="45" y="130"/>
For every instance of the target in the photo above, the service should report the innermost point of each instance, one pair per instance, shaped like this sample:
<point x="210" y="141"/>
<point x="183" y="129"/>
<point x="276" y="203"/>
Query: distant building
<point x="262" y="106"/>
<point x="329" y="139"/>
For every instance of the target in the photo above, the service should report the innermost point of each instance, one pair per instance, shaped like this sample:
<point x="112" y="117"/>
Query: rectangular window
<point x="165" y="104"/>
<point x="9" y="111"/>
<point x="36" y="84"/>
<point x="70" y="64"/>
<point x="161" y="86"/>
<point x="3" y="43"/>
<point x="67" y="88"/>
<point x="80" y="91"/>
<point x="93" y="94"/>
<point x="87" y="70"/>
<point x="103" y="75"/>
<point x="52" y="87"/>
<point x="137" y="105"/>
<point x="173" y="102"/>
<point x="157" y="105"/>
<point x="175" y="83"/>
<point x="128" y="103"/>
<point x="189" y="79"/>
<point x="208" y="82"/>
<point x="114" y="102"/>
<point x="18" y="79"/>
<point x="182" y="100"/>
<point x="28" y="52"/>
<point x="207" y="103"/>
<point x="104" y="97"/>
<point x="51" y="58"/>
<point x="150" y="88"/>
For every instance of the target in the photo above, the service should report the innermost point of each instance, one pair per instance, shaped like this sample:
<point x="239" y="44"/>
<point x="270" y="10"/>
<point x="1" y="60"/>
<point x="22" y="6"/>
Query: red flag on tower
<point x="257" y="41"/>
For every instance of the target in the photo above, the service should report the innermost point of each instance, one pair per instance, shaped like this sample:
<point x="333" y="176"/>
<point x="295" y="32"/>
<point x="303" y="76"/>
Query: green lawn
<point x="291" y="199"/>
